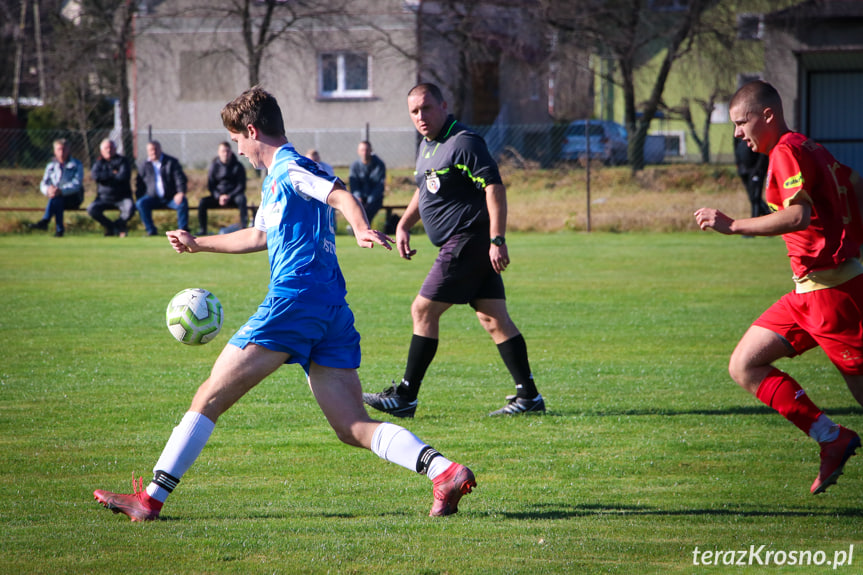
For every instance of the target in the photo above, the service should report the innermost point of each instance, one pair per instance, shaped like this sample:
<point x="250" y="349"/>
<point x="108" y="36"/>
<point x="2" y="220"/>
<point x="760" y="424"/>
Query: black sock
<point x="514" y="354"/>
<point x="426" y="455"/>
<point x="165" y="481"/>
<point x="420" y="356"/>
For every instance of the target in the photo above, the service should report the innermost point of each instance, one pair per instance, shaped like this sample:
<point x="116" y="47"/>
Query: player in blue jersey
<point x="304" y="318"/>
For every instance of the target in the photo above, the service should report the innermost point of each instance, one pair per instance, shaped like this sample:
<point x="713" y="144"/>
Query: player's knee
<point x="421" y="311"/>
<point x="494" y="325"/>
<point x="737" y="368"/>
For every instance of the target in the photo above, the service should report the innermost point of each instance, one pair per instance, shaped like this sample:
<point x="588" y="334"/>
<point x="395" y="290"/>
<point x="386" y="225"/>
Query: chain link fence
<point x="531" y="145"/>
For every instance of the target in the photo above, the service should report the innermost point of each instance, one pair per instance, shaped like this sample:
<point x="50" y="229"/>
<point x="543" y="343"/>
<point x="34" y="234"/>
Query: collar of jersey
<point x="446" y="135"/>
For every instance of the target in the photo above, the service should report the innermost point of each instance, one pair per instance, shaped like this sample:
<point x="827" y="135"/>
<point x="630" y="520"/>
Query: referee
<point x="462" y="202"/>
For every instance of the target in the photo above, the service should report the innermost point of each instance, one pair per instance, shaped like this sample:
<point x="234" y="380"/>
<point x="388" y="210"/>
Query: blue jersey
<point x="300" y="231"/>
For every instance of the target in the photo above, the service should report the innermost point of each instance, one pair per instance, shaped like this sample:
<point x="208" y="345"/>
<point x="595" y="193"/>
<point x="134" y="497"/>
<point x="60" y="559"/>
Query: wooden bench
<point x="389" y="222"/>
<point x="388" y="210"/>
<point x="253" y="209"/>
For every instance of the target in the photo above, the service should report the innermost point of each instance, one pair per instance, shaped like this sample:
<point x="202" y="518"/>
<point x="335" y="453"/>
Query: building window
<point x="719" y="115"/>
<point x="675" y="142"/>
<point x="749" y="26"/>
<point x="344" y="75"/>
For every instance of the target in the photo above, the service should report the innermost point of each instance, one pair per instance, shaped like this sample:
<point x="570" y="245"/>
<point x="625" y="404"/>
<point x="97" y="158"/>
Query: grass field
<point x="648" y="451"/>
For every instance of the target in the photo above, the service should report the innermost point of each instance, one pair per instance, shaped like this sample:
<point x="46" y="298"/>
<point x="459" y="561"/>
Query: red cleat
<point x="834" y="454"/>
<point x="138" y="505"/>
<point x="449" y="487"/>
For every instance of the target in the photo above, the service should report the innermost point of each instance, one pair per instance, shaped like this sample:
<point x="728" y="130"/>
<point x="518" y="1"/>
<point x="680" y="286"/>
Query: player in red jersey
<point x="815" y="207"/>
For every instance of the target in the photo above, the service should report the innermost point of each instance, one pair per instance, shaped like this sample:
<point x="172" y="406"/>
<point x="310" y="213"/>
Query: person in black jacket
<point x="112" y="174"/>
<point x="367" y="179"/>
<point x="226" y="180"/>
<point x="752" y="169"/>
<point x="161" y="183"/>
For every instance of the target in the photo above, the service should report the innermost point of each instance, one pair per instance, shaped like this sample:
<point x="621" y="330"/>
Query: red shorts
<point x="831" y="318"/>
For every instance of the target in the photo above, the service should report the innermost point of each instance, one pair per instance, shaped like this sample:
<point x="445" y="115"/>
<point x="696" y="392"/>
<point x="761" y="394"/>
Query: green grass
<point x="648" y="450"/>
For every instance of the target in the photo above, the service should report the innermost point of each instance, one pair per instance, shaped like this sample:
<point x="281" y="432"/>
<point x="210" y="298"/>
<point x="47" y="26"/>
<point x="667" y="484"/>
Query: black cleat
<point x="518" y="405"/>
<point x="389" y="401"/>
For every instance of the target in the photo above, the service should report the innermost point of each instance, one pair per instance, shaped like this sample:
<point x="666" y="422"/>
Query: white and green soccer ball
<point x="194" y="316"/>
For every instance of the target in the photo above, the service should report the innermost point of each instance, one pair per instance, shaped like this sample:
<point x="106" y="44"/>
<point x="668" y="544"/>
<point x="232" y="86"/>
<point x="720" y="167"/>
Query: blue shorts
<point x="323" y="334"/>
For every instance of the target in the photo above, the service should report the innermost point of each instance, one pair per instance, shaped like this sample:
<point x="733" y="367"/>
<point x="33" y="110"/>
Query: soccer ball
<point x="194" y="316"/>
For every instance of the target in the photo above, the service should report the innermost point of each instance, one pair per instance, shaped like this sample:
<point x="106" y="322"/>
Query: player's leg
<point x="855" y="386"/>
<point x="236" y="371"/>
<point x="494" y="318"/>
<point x="338" y="393"/>
<point x="751" y="367"/>
<point x="401" y="398"/>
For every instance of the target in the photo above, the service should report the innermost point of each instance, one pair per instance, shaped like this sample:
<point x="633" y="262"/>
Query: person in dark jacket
<point x="226" y="180"/>
<point x="752" y="169"/>
<point x="112" y="174"/>
<point x="367" y="179"/>
<point x="161" y="183"/>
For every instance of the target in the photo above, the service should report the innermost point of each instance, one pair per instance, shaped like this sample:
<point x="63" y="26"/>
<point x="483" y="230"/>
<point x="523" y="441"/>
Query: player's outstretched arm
<point x="794" y="217"/>
<point x="350" y="207"/>
<point x="243" y="241"/>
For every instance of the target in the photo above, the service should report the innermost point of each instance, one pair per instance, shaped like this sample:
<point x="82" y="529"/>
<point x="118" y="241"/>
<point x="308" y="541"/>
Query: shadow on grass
<point x="557" y="512"/>
<point x="733" y="410"/>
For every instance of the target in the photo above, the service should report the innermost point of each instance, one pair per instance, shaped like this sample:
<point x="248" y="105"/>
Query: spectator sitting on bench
<point x="161" y="183"/>
<point x="113" y="175"/>
<point x="226" y="180"/>
<point x="314" y="156"/>
<point x="63" y="185"/>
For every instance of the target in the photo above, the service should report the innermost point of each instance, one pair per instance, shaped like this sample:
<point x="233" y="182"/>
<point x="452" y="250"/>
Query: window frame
<point x="341" y="92"/>
<point x="750" y="26"/>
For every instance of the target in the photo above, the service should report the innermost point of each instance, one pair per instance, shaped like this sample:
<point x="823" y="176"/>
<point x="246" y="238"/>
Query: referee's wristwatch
<point x="498" y="240"/>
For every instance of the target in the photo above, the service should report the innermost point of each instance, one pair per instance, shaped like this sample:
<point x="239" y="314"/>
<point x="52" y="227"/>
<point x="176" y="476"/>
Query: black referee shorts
<point x="462" y="272"/>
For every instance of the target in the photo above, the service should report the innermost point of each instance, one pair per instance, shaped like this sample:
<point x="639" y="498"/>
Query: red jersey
<point x="803" y="170"/>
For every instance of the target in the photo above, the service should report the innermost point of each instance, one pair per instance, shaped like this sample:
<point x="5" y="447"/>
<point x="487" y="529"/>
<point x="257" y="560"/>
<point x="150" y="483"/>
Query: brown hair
<point x="756" y="96"/>
<point x="427" y="88"/>
<point x="255" y="107"/>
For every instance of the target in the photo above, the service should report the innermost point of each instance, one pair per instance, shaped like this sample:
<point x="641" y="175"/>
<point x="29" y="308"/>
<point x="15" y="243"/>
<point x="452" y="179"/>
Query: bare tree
<point x="264" y="23"/>
<point x="630" y="32"/>
<point x="457" y="39"/>
<point x="722" y="49"/>
<point x="91" y="58"/>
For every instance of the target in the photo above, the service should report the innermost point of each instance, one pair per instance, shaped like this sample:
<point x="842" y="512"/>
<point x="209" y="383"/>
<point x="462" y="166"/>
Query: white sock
<point x="823" y="429"/>
<point x="398" y="445"/>
<point x="437" y="466"/>
<point x="182" y="449"/>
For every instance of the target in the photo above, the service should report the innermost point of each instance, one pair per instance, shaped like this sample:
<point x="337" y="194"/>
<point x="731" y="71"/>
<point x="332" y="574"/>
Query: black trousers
<point x="210" y="202"/>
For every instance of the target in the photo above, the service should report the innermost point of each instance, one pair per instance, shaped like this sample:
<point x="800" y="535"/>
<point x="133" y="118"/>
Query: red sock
<point x="779" y="391"/>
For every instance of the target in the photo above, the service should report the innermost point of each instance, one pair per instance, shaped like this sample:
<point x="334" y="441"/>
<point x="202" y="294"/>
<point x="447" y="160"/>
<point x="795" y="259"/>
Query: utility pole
<point x="19" y="57"/>
<point x="40" y="63"/>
